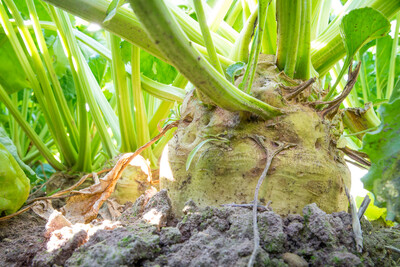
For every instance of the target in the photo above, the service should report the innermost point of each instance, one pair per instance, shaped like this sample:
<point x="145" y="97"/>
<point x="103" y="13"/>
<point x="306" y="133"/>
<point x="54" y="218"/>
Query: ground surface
<point x="203" y="237"/>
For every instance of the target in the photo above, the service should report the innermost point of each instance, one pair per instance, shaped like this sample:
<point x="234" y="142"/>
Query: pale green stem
<point x="343" y="71"/>
<point x="141" y="123"/>
<point x="246" y="11"/>
<point x="14" y="127"/>
<point x="219" y="15"/>
<point x="234" y="13"/>
<point x="34" y="154"/>
<point x="159" y="90"/>
<point x="29" y="131"/>
<point x="43" y="90"/>
<point x="169" y="37"/>
<point x="24" y="111"/>
<point x="159" y="146"/>
<point x="207" y="36"/>
<point x="64" y="110"/>
<point x="364" y="79"/>
<point x="84" y="158"/>
<point x="87" y="83"/>
<point x="392" y="66"/>
<point x="193" y="31"/>
<point x="164" y="108"/>
<point x="127" y="128"/>
<point x="288" y="16"/>
<point x="322" y="18"/>
<point x="303" y="62"/>
<point x="270" y="35"/>
<point x="256" y="46"/>
<point x="240" y="50"/>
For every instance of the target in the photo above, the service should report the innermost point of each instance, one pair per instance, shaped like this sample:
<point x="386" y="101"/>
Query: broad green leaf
<point x="150" y="66"/>
<point x="45" y="171"/>
<point x="112" y="10"/>
<point x="358" y="28"/>
<point x="9" y="145"/>
<point x="373" y="212"/>
<point x="396" y="91"/>
<point x="68" y="86"/>
<point x="12" y="76"/>
<point x="98" y="66"/>
<point x="156" y="69"/>
<point x="383" y="148"/>
<point x="361" y="26"/>
<point x="40" y="6"/>
<point x="60" y="60"/>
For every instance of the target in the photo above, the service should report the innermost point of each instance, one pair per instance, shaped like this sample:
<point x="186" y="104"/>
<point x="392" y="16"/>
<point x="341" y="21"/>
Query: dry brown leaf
<point x="85" y="206"/>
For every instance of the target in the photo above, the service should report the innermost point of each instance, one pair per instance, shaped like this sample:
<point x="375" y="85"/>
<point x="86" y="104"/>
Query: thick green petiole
<point x="288" y="16"/>
<point x="303" y="62"/>
<point x="36" y="140"/>
<point x="207" y="36"/>
<point x="392" y="66"/>
<point x="165" y="32"/>
<point x="128" y="136"/>
<point x="141" y="123"/>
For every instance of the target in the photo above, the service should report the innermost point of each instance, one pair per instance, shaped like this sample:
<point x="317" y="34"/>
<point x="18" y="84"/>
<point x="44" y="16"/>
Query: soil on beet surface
<point x="213" y="236"/>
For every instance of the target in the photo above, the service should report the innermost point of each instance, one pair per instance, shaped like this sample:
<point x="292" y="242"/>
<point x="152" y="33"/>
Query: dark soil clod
<point x="213" y="236"/>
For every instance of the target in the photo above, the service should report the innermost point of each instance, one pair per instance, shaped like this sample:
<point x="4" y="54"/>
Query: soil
<point x="149" y="234"/>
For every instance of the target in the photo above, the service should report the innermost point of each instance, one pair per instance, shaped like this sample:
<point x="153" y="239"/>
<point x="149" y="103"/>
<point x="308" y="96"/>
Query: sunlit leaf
<point x="12" y="76"/>
<point x="98" y="66"/>
<point x="150" y="66"/>
<point x="383" y="148"/>
<point x="361" y="26"/>
<point x="40" y="6"/>
<point x="373" y="212"/>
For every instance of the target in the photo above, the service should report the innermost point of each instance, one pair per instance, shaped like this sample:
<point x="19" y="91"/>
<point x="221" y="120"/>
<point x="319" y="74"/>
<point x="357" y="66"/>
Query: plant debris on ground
<point x="149" y="234"/>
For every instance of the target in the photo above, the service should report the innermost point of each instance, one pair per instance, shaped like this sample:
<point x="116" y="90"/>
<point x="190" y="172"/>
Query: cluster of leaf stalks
<point x="81" y="134"/>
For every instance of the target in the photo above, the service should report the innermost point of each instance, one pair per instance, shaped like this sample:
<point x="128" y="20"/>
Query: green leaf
<point x="373" y="212"/>
<point x="9" y="145"/>
<point x="60" y="60"/>
<point x="396" y="91"/>
<point x="156" y="69"/>
<point x="45" y="171"/>
<point x="150" y="66"/>
<point x="383" y="148"/>
<point x="234" y="70"/>
<point x="68" y="86"/>
<point x="40" y="6"/>
<point x="358" y="28"/>
<point x="112" y="10"/>
<point x="98" y="66"/>
<point x="12" y="76"/>
<point x="361" y="26"/>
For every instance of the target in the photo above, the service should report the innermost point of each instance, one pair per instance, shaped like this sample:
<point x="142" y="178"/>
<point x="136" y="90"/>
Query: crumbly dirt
<point x="151" y="235"/>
